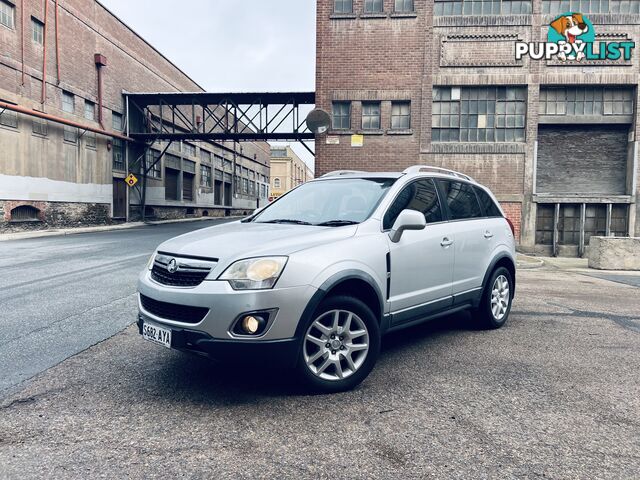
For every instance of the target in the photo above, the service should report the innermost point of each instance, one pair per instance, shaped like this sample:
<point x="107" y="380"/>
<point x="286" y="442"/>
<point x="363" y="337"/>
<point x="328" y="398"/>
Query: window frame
<point x="342" y="116"/>
<point x="445" y="205"/>
<point x="400" y="103"/>
<point x="369" y="5"/>
<point x="404" y="8"/>
<point x="477" y="189"/>
<point x="343" y="4"/>
<point x="37" y="31"/>
<point x="10" y="15"/>
<point x="370" y="117"/>
<point x="65" y="98"/>
<point x="89" y="110"/>
<point x="443" y="211"/>
<point x="204" y="168"/>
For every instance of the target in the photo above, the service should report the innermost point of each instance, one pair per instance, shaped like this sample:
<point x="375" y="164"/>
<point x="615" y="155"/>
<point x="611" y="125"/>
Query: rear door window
<point x="488" y="205"/>
<point x="421" y="196"/>
<point x="461" y="200"/>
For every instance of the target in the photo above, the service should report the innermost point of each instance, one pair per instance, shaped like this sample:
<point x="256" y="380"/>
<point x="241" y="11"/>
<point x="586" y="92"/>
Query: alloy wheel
<point x="336" y="345"/>
<point x="500" y="297"/>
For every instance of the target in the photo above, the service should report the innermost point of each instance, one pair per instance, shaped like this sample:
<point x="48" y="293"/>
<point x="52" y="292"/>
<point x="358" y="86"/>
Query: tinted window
<point x="488" y="205"/>
<point x="461" y="200"/>
<point x="420" y="196"/>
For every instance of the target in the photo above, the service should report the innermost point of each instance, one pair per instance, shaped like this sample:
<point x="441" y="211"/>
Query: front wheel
<point x="496" y="299"/>
<point x="340" y="346"/>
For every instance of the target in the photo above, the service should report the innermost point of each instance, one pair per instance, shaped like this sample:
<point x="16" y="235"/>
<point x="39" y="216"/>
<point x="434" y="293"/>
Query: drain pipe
<point x="57" y="45"/>
<point x="22" y="38"/>
<point x="101" y="61"/>
<point x="44" y="53"/>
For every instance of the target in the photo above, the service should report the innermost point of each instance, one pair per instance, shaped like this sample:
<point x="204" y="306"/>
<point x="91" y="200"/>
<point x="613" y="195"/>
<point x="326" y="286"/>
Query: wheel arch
<point x="501" y="260"/>
<point x="354" y="283"/>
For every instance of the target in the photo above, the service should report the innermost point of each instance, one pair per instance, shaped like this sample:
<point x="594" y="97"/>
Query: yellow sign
<point x="131" y="180"/>
<point x="357" y="140"/>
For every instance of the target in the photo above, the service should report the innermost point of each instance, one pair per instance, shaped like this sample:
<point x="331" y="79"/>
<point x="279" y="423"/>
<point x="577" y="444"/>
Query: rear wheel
<point x="340" y="346"/>
<point x="496" y="299"/>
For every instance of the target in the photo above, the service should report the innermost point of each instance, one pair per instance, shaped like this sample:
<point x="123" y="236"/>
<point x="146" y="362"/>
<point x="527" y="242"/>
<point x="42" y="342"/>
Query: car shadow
<point x="206" y="381"/>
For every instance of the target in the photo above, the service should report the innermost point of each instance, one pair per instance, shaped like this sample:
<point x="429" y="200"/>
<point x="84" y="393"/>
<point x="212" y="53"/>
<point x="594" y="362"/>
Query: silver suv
<point x="315" y="279"/>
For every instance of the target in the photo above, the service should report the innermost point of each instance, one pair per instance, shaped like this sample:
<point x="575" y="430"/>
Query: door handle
<point x="488" y="234"/>
<point x="446" y="242"/>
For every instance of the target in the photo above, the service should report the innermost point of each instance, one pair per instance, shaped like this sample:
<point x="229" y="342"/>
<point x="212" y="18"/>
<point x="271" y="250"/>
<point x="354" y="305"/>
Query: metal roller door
<point x="582" y="159"/>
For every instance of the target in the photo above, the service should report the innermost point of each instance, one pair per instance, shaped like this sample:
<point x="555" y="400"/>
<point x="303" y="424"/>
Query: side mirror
<point x="407" y="220"/>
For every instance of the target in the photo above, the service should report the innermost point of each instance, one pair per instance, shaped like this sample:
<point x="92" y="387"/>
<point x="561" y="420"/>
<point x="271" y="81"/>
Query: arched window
<point x="276" y="183"/>
<point x="25" y="213"/>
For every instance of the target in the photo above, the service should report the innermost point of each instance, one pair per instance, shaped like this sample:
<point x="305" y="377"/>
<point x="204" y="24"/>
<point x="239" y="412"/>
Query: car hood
<point x="232" y="241"/>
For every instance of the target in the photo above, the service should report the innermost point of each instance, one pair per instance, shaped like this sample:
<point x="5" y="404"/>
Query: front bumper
<point x="279" y="353"/>
<point x="225" y="305"/>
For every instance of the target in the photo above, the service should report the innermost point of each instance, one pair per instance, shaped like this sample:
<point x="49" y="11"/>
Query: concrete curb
<point x="524" y="262"/>
<point x="106" y="228"/>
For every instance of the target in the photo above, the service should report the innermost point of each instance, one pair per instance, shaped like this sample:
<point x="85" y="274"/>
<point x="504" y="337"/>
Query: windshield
<point x="336" y="202"/>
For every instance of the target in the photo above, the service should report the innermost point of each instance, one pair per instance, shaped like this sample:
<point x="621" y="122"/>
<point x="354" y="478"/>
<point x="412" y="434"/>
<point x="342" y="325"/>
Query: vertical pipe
<point x="100" y="96"/>
<point x="581" y="240"/>
<point x="44" y="53"/>
<point x="57" y="45"/>
<point x="556" y="233"/>
<point x="22" y="38"/>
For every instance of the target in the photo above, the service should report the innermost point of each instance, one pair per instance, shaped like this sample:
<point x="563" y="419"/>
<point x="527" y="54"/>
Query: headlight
<point x="150" y="262"/>
<point x="254" y="273"/>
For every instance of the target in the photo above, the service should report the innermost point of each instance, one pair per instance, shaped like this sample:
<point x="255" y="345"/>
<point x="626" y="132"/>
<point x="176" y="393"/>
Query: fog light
<point x="252" y="324"/>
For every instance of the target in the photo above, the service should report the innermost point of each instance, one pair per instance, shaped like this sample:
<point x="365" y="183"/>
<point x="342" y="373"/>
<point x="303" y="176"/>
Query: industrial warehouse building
<point x="63" y="150"/>
<point x="437" y="82"/>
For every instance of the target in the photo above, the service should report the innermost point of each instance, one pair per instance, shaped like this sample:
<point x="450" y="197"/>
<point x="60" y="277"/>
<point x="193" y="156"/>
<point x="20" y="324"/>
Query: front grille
<point x="171" y="311"/>
<point x="177" y="279"/>
<point x="190" y="272"/>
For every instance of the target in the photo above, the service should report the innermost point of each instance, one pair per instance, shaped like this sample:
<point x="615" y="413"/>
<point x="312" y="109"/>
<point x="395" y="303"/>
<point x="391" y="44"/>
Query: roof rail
<point x="338" y="173"/>
<point x="427" y="168"/>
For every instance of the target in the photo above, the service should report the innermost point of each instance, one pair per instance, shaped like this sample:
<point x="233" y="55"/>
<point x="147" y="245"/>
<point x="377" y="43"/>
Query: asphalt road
<point x="554" y="394"/>
<point x="60" y="295"/>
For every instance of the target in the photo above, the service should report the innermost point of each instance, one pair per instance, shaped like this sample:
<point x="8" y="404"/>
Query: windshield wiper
<point x="337" y="223"/>
<point x="287" y="220"/>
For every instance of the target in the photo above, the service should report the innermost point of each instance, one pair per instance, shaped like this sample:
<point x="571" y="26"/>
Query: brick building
<point x="60" y="174"/>
<point x="288" y="171"/>
<point x="437" y="82"/>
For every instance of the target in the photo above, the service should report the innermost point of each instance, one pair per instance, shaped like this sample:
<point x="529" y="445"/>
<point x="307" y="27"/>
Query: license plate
<point x="156" y="334"/>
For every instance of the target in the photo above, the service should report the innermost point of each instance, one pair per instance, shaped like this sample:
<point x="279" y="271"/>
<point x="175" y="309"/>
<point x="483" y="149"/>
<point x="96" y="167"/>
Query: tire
<point x="329" y="364"/>
<point x="497" y="298"/>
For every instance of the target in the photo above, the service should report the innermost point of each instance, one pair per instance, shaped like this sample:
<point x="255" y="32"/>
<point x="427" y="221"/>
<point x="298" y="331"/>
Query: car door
<point x="472" y="250"/>
<point x="421" y="263"/>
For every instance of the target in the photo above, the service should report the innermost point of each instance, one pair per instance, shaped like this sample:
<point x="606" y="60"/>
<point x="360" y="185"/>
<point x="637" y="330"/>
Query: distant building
<point x="64" y="154"/>
<point x="287" y="171"/>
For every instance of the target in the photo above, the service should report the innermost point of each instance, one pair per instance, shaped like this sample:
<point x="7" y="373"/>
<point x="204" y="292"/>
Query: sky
<point x="232" y="45"/>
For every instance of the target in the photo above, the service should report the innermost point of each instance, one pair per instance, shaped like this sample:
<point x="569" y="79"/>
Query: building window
<point x="371" y="116"/>
<point x="341" y="115"/>
<point x="189" y="150"/>
<point x="68" y="102"/>
<point x="70" y="134"/>
<point x="228" y="165"/>
<point x="276" y="183"/>
<point x="590" y="6"/>
<point x="90" y="139"/>
<point x="117" y="148"/>
<point x="205" y="156"/>
<point x="400" y="115"/>
<point x="116" y="121"/>
<point x="8" y="118"/>
<point x="245" y="185"/>
<point x="152" y="164"/>
<point x="586" y="101"/>
<point x="404" y="6"/>
<point x="205" y="176"/>
<point x="89" y="110"/>
<point x="343" y="6"/>
<point x="619" y="226"/>
<point x="372" y="6"/>
<point x="37" y="31"/>
<point x="7" y="14"/>
<point x="544" y="224"/>
<point x="40" y="127"/>
<point x="478" y="114"/>
<point x="482" y="7"/>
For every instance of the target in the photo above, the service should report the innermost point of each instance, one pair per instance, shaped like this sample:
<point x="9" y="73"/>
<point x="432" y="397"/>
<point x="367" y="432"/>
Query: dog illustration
<point x="570" y="27"/>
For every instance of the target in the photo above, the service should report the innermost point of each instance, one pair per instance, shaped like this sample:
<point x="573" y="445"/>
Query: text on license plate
<point x="156" y="334"/>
